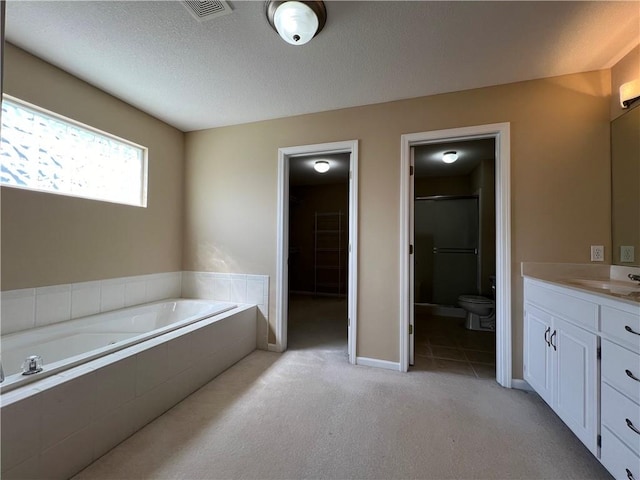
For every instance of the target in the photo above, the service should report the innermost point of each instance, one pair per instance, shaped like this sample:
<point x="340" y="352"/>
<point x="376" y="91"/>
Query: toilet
<point x="481" y="311"/>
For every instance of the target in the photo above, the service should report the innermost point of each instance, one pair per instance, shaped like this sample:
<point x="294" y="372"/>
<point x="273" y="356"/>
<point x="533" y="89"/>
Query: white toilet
<point x="481" y="311"/>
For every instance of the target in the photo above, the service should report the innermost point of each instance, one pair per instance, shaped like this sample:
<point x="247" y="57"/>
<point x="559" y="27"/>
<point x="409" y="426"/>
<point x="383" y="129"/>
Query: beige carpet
<point x="309" y="414"/>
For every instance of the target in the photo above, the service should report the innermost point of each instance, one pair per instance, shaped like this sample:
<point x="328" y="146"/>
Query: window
<point x="43" y="151"/>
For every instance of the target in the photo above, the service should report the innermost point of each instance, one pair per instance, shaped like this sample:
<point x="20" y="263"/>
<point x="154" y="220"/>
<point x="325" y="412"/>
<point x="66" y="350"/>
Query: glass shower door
<point x="446" y="249"/>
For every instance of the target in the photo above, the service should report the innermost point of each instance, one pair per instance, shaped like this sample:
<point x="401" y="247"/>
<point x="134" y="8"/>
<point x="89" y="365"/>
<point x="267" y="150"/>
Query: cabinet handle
<point x="630" y="330"/>
<point x="632" y="426"/>
<point x="629" y="474"/>
<point x="551" y="339"/>
<point x="546" y="333"/>
<point x="631" y="375"/>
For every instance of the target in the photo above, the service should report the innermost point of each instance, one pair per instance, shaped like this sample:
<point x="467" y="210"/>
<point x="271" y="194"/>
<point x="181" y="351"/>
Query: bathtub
<point x="107" y="375"/>
<point x="67" y="344"/>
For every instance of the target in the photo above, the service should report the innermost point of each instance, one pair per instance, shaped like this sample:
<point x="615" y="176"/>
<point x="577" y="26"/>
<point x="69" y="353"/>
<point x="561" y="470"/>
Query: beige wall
<point x="627" y="69"/>
<point x="52" y="239"/>
<point x="560" y="187"/>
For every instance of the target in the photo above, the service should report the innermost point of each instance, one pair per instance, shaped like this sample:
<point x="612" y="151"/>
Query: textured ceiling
<point x="235" y="69"/>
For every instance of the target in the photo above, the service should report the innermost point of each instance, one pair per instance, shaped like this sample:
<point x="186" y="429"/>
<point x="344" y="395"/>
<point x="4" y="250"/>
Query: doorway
<point x="332" y="261"/>
<point x="500" y="134"/>
<point x="454" y="257"/>
<point x="318" y="252"/>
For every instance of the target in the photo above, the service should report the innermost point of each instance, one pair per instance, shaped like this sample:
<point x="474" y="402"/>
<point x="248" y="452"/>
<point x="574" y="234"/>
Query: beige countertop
<point x="609" y="281"/>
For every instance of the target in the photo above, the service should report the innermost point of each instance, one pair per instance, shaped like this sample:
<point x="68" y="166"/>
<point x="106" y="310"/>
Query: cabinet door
<point x="576" y="393"/>
<point x="538" y="357"/>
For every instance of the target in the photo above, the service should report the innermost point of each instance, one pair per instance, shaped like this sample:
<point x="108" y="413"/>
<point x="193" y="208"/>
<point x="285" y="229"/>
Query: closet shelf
<point x="328" y="250"/>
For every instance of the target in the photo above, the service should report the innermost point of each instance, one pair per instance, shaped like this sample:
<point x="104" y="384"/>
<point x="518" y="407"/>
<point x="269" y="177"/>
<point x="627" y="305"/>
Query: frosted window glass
<point x="43" y="151"/>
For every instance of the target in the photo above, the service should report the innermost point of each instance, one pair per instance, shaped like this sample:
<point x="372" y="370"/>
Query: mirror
<point x="625" y="188"/>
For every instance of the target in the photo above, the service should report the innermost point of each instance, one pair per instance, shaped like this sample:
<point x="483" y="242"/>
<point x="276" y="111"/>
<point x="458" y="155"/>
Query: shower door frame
<point x="501" y="133"/>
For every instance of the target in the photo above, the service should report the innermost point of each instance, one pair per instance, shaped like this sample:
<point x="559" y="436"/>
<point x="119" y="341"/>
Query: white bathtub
<point x="67" y="344"/>
<point x="107" y="375"/>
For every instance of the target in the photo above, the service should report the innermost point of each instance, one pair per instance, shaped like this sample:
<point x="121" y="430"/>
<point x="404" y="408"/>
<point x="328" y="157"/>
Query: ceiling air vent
<point x="207" y="9"/>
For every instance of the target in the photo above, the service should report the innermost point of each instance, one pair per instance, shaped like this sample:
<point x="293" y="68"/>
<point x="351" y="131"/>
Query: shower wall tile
<point x="53" y="304"/>
<point x="18" y="310"/>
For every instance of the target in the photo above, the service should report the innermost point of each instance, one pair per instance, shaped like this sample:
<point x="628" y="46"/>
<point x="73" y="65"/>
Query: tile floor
<point x="444" y="344"/>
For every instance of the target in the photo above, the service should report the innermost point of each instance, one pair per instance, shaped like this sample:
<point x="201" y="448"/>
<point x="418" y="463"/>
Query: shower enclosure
<point x="446" y="249"/>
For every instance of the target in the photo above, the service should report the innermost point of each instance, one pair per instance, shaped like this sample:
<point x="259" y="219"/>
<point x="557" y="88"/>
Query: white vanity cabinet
<point x="560" y="357"/>
<point x="620" y="395"/>
<point x="582" y="356"/>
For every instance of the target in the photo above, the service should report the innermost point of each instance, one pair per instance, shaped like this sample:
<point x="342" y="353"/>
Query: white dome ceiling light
<point x="321" y="166"/>
<point x="296" y="22"/>
<point x="449" y="157"/>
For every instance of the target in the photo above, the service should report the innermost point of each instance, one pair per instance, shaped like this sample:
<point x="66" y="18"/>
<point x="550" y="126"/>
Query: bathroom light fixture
<point x="296" y="22"/>
<point x="449" y="157"/>
<point x="321" y="166"/>
<point x="629" y="93"/>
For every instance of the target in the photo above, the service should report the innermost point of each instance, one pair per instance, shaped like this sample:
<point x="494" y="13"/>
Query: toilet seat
<point x="475" y="299"/>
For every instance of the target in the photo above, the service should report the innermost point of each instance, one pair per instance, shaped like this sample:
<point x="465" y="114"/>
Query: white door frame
<point x="501" y="133"/>
<point x="282" y="257"/>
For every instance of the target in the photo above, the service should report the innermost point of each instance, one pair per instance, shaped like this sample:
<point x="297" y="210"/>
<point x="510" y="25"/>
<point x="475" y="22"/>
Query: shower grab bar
<point x="455" y="250"/>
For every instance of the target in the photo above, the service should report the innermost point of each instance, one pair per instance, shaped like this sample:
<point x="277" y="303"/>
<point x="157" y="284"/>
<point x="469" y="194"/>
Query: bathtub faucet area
<point x="32" y="365"/>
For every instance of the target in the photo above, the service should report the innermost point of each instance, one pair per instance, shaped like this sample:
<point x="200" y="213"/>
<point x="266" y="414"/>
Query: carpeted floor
<point x="307" y="413"/>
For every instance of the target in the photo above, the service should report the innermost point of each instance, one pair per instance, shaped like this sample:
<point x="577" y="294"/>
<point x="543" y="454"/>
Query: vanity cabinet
<point x="620" y="394"/>
<point x="582" y="356"/>
<point x="560" y="362"/>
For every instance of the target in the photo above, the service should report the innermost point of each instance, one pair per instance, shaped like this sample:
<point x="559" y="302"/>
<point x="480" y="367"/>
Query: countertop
<point x="570" y="275"/>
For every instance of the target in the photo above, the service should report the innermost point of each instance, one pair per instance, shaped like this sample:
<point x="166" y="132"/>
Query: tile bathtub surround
<point x="33" y="307"/>
<point x="232" y="287"/>
<point x="18" y="310"/>
<point x="228" y="287"/>
<point x="55" y="427"/>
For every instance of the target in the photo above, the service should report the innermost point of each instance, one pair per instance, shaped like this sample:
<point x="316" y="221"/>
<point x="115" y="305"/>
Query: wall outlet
<point x="626" y="254"/>
<point x="597" y="253"/>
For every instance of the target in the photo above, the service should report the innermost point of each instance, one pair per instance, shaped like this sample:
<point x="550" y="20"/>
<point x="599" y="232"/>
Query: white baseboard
<point x="519" y="384"/>
<point x="374" y="362"/>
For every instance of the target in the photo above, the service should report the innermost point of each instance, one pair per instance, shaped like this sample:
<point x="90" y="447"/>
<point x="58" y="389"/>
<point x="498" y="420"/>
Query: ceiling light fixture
<point x="321" y="166"/>
<point x="449" y="157"/>
<point x="296" y="22"/>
